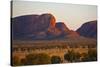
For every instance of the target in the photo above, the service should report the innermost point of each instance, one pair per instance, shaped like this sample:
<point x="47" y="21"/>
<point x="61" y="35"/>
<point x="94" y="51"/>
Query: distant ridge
<point x="88" y="29"/>
<point x="44" y="26"/>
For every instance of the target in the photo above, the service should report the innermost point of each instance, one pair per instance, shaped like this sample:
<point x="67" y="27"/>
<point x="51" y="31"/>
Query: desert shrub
<point x="15" y="61"/>
<point x="77" y="57"/>
<point x="55" y="59"/>
<point x="34" y="59"/>
<point x="72" y="56"/>
<point x="90" y="56"/>
<point x="23" y="61"/>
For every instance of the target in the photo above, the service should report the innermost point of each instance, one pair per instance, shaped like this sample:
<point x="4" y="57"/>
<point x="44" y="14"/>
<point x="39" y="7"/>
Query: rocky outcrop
<point x="40" y="27"/>
<point x="63" y="28"/>
<point x="88" y="29"/>
<point x="65" y="31"/>
<point x="31" y="25"/>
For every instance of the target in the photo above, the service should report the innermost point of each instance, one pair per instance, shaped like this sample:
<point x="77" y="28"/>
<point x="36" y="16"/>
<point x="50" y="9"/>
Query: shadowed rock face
<point x="88" y="29"/>
<point x="30" y="25"/>
<point x="53" y="33"/>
